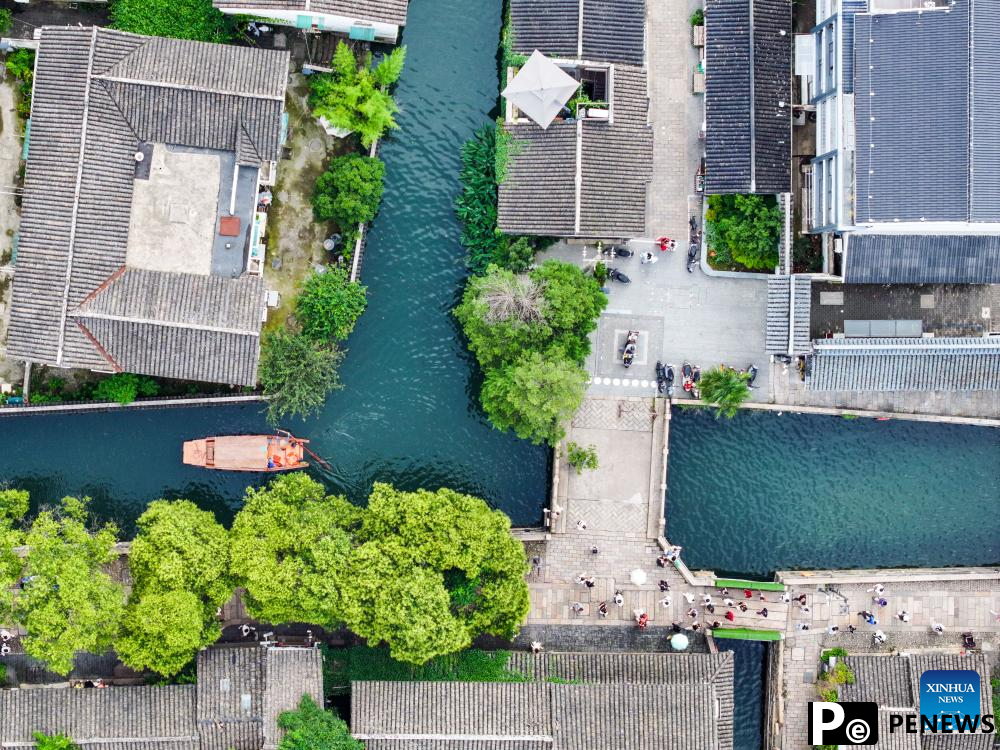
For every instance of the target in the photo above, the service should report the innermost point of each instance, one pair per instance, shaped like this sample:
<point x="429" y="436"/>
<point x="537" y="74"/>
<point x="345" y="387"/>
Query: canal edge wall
<point x="156" y="403"/>
<point x="860" y="413"/>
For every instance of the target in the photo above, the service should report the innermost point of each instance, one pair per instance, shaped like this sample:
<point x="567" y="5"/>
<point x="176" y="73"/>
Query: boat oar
<point x="323" y="462"/>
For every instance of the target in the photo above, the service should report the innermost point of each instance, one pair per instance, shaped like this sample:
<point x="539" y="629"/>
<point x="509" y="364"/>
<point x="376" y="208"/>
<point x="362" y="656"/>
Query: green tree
<point x="180" y="571"/>
<point x="21" y="63"/>
<point x="725" y="388"/>
<point x="13" y="507"/>
<point x="6" y="20"/>
<point x="69" y="603"/>
<point x="349" y="192"/>
<point x="124" y="387"/>
<point x="296" y="374"/>
<point x="163" y="631"/>
<point x="178" y="19"/>
<point x="745" y="229"/>
<point x="289" y="550"/>
<point x="53" y="742"/>
<point x="329" y="305"/>
<point x="575" y="302"/>
<point x="534" y="397"/>
<point x="467" y="541"/>
<point x="356" y="97"/>
<point x="580" y="457"/>
<point x="311" y="728"/>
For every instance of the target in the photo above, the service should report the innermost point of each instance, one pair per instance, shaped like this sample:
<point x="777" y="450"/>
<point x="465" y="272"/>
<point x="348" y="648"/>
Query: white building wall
<point x="384" y="32"/>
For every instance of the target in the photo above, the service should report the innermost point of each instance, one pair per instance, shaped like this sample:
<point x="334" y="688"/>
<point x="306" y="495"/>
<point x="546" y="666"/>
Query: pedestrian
<point x="785" y="597"/>
<point x="4" y="649"/>
<point x="5" y="635"/>
<point x="641" y="617"/>
<point x="832" y="629"/>
<point x="619" y="599"/>
<point x="715" y="625"/>
<point x="602" y="609"/>
<point x="938" y="628"/>
<point x="711" y="608"/>
<point x="581" y="525"/>
<point x="878" y="588"/>
<point x="676" y="627"/>
<point x="903" y="615"/>
<point x="662" y="561"/>
<point x="648" y="257"/>
<point x="665" y="601"/>
<point x="762" y="612"/>
<point x="851" y="629"/>
<point x="693" y="613"/>
<point x="878" y="638"/>
<point x="576" y="607"/>
<point x="590" y="582"/>
<point x="581" y="578"/>
<point x="879" y="601"/>
<point x="664" y="585"/>
<point x="725" y="591"/>
<point x="762" y="597"/>
<point x="801" y="626"/>
<point x="695" y="626"/>
<point x="536" y="647"/>
<point x="804" y="610"/>
<point x="689" y="597"/>
<point x="743" y="607"/>
<point x="594" y="550"/>
<point x="747" y="594"/>
<point x="801" y="598"/>
<point x="706" y="600"/>
<point x="246" y="630"/>
<point x="730" y="616"/>
<point x="729" y="602"/>
<point x="872" y="620"/>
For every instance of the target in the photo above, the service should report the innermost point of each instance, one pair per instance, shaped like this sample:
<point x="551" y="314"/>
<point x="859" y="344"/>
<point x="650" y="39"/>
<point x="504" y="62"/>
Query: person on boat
<point x="270" y="462"/>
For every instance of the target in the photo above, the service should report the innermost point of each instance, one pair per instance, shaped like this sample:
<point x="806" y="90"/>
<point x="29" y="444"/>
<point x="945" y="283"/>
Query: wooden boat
<point x="265" y="453"/>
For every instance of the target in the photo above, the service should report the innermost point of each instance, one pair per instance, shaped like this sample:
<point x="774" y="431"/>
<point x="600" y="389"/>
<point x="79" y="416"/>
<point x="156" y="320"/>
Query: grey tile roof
<point x="893" y="682"/>
<point x="613" y="30"/>
<point x="638" y="701"/>
<point x="917" y="88"/>
<point x="922" y="259"/>
<point x="378" y="11"/>
<point x="933" y="364"/>
<point x="780" y="311"/>
<point x="748" y="63"/>
<point x="849" y="8"/>
<point x="98" y="94"/>
<point x="539" y="195"/>
<point x="137" y="713"/>
<point x="289" y="673"/>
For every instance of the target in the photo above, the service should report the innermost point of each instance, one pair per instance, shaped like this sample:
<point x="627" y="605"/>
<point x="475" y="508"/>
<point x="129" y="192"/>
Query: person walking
<point x="903" y="615"/>
<point x="801" y="626"/>
<point x="664" y="585"/>
<point x="731" y="616"/>
<point x="602" y="609"/>
<point x="590" y="582"/>
<point x="619" y="599"/>
<point x="937" y="628"/>
<point x="689" y="597"/>
<point x="576" y="607"/>
<point x="665" y="601"/>
<point x="878" y="638"/>
<point x="729" y="602"/>
<point x="693" y="613"/>
<point x="762" y="612"/>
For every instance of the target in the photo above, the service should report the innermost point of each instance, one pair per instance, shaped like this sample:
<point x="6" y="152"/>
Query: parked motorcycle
<point x="687" y="377"/>
<point x="617" y="251"/>
<point x="669" y="377"/>
<point x="751" y="373"/>
<point x="615" y="275"/>
<point x="692" y="257"/>
<point x="631" y="345"/>
<point x="695" y="379"/>
<point x="661" y="377"/>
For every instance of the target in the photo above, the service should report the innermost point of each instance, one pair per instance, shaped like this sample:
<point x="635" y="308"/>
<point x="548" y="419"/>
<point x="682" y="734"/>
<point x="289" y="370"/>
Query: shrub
<point x="6" y="20"/>
<point x="581" y="458"/>
<point x="600" y="272"/>
<point x="124" y="387"/>
<point x="21" y="64"/>
<point x="356" y="97"/>
<point x="349" y="192"/>
<point x="698" y="17"/>
<point x="829" y="695"/>
<point x="840" y="653"/>
<point x="744" y="229"/>
<point x="309" y="727"/>
<point x="725" y="388"/>
<point x="329" y="305"/>
<point x="53" y="742"/>
<point x="296" y="374"/>
<point x="177" y="19"/>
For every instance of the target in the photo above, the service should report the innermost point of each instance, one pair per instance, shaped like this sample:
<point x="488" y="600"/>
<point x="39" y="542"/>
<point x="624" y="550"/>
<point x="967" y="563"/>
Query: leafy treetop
<point x="177" y="19"/>
<point x="349" y="192"/>
<point x="725" y="388"/>
<point x="296" y="374"/>
<point x="69" y="603"/>
<point x="53" y="742"/>
<point x="13" y="507"/>
<point x="311" y="728"/>
<point x="329" y="305"/>
<point x="745" y="229"/>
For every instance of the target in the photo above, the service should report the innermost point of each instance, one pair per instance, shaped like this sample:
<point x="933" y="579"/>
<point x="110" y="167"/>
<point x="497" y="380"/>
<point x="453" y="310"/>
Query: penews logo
<point x="850" y="723"/>
<point x="950" y="700"/>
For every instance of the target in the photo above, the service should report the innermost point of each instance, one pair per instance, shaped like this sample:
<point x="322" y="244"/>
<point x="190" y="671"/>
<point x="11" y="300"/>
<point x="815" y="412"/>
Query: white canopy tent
<point x="541" y="89"/>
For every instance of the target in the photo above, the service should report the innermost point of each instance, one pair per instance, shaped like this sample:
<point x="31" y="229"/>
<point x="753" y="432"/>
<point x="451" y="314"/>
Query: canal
<point x="408" y="413"/>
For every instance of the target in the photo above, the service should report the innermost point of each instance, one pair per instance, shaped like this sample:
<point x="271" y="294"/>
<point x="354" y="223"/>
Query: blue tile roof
<point x="890" y="364"/>
<point x="922" y="259"/>
<point x="850" y="8"/>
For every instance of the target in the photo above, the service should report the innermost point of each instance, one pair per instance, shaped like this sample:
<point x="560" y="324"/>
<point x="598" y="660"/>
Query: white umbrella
<point x="541" y="88"/>
<point x="638" y="577"/>
<point x="678" y="642"/>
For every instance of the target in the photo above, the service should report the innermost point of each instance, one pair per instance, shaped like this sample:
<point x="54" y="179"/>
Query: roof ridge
<point x="99" y="346"/>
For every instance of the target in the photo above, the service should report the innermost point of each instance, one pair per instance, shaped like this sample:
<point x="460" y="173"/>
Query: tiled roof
<point x="780" y="311"/>
<point x="98" y="94"/>
<point x="748" y="63"/>
<point x="849" y="8"/>
<point x="926" y="122"/>
<point x="654" y="701"/>
<point x="376" y="11"/>
<point x="612" y="31"/>
<point x="540" y="193"/>
<point x="893" y="682"/>
<point x="922" y="259"/>
<point x="917" y="364"/>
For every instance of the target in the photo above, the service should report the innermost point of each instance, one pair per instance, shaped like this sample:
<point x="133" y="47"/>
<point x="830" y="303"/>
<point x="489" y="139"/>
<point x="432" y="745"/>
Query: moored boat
<point x="266" y="453"/>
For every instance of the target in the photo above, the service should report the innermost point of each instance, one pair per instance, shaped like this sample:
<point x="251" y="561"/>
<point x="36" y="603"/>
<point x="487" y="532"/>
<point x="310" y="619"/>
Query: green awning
<point x="747" y="634"/>
<point x="363" y="33"/>
<point x="734" y="583"/>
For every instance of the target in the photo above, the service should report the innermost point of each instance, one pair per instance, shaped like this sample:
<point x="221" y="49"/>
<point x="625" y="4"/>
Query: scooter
<point x="669" y="377"/>
<point x="615" y="275"/>
<point x="661" y="377"/>
<point x="617" y="251"/>
<point x="631" y="344"/>
<point x="692" y="257"/>
<point x="688" y="376"/>
<point x="695" y="379"/>
<point x="751" y="373"/>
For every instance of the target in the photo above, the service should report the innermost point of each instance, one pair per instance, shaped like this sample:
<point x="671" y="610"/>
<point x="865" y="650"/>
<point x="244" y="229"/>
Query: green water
<point x="408" y="412"/>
